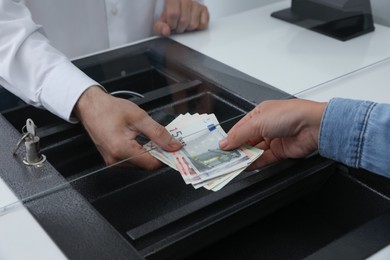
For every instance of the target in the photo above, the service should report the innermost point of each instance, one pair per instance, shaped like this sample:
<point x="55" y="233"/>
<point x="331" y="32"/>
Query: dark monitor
<point x="340" y="19"/>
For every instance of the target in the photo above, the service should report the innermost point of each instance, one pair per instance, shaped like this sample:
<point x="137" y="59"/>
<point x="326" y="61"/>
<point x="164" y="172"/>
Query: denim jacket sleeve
<point x="357" y="133"/>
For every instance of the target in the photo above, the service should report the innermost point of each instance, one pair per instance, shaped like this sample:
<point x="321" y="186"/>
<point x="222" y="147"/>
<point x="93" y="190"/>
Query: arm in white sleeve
<point x="32" y="69"/>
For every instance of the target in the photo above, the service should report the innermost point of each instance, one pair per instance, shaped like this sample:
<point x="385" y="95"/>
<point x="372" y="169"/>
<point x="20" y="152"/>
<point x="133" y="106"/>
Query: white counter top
<point x="21" y="237"/>
<point x="289" y="57"/>
<point x="371" y="83"/>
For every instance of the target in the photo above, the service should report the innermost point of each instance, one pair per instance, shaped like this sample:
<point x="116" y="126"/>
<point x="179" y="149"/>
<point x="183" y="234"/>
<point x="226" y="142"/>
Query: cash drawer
<point x="100" y="212"/>
<point x="347" y="217"/>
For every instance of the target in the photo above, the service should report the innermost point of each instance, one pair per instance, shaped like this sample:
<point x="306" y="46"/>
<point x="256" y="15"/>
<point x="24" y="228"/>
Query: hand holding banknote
<point x="200" y="161"/>
<point x="282" y="128"/>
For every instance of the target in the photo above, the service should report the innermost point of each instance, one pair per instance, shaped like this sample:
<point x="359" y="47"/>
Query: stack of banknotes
<point x="200" y="161"/>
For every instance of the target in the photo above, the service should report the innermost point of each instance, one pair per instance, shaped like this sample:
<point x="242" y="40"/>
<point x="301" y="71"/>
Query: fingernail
<point x="223" y="143"/>
<point x="175" y="144"/>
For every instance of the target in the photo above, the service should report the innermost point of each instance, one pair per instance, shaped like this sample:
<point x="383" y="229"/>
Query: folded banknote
<point x="200" y="161"/>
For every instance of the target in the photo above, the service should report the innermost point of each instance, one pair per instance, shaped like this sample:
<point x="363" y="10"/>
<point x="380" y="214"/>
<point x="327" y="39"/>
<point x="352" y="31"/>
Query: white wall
<point x="381" y="11"/>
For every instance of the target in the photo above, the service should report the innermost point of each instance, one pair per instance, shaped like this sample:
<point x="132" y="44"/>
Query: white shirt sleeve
<point x="32" y="69"/>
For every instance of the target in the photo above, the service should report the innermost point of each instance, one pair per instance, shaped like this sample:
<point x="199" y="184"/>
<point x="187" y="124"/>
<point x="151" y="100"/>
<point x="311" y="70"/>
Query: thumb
<point x="243" y="131"/>
<point x="161" y="28"/>
<point x="158" y="134"/>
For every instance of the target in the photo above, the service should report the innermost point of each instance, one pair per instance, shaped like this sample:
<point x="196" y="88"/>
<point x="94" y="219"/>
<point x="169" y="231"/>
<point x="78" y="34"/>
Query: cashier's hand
<point x="180" y="16"/>
<point x="113" y="123"/>
<point x="282" y="128"/>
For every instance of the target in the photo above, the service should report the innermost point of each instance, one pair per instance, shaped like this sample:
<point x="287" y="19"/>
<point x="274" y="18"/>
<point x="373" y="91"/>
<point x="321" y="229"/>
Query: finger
<point x="204" y="18"/>
<point x="240" y="133"/>
<point x="158" y="134"/>
<point x="195" y="17"/>
<point x="263" y="145"/>
<point x="185" y="15"/>
<point x="254" y="141"/>
<point x="132" y="154"/>
<point x="266" y="158"/>
<point x="172" y="13"/>
<point x="144" y="160"/>
<point x="199" y="17"/>
<point x="162" y="28"/>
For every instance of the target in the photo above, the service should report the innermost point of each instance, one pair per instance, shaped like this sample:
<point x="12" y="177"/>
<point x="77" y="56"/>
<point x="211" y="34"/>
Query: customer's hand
<point x="180" y="16"/>
<point x="113" y="123"/>
<point x="282" y="128"/>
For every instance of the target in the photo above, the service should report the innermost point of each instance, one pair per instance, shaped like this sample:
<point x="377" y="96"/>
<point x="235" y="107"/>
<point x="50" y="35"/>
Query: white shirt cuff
<point x="62" y="88"/>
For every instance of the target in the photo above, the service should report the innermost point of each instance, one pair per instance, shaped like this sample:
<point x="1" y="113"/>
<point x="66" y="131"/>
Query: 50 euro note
<point x="219" y="182"/>
<point x="200" y="161"/>
<point x="200" y="158"/>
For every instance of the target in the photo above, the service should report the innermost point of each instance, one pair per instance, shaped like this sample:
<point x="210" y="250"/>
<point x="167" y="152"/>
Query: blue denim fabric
<point x="357" y="133"/>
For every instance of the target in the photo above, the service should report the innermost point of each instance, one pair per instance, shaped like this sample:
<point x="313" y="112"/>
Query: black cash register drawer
<point x="289" y="210"/>
<point x="343" y="218"/>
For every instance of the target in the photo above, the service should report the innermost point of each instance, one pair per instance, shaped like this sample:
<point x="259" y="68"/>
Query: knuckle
<point x="139" y="115"/>
<point x="116" y="154"/>
<point x="158" y="131"/>
<point x="256" y="110"/>
<point x="151" y="166"/>
<point x="188" y="2"/>
<point x="173" y="15"/>
<point x="192" y="26"/>
<point x="183" y="22"/>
